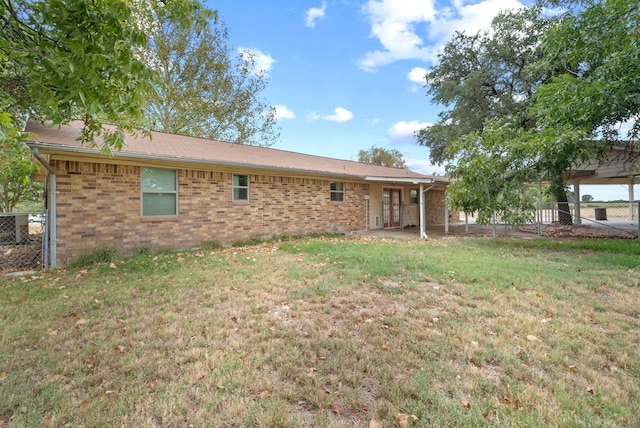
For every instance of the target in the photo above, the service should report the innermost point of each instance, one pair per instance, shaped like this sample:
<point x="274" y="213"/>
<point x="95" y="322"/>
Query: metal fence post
<point x="538" y="218"/>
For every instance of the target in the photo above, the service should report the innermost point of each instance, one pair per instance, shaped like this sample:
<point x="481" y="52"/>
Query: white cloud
<point x="424" y="166"/>
<point x="417" y="74"/>
<point x="284" y="112"/>
<point x="469" y="18"/>
<point x="339" y="115"/>
<point x="393" y="23"/>
<point x="404" y="132"/>
<point x="263" y="63"/>
<point x="314" y="14"/>
<point x="414" y="29"/>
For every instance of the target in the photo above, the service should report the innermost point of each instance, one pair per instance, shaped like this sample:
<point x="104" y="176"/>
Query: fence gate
<point x="22" y="241"/>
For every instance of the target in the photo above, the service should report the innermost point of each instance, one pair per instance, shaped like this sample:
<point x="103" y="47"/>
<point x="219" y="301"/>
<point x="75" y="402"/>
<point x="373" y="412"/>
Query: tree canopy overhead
<point x="64" y="59"/>
<point x="595" y="46"/>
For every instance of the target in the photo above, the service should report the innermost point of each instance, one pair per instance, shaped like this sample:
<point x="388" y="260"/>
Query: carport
<point x="620" y="166"/>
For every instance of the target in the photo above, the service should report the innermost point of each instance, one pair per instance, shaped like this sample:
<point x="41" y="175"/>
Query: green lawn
<point x="330" y="332"/>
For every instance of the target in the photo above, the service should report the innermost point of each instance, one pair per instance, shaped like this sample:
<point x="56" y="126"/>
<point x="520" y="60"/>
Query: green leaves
<point x="533" y="98"/>
<point x="380" y="156"/>
<point x="16" y="165"/>
<point x="202" y="90"/>
<point x="492" y="173"/>
<point x="597" y="53"/>
<point x="81" y="58"/>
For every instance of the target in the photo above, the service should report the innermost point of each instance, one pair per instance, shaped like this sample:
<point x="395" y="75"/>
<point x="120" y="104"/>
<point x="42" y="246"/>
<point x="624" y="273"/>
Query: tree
<point x="16" y="166"/>
<point x="66" y="59"/>
<point x="595" y="45"/>
<point x="582" y="69"/>
<point x="486" y="82"/>
<point x="490" y="180"/>
<point x="69" y="59"/>
<point x="202" y="91"/>
<point x="380" y="156"/>
<point x="593" y="49"/>
<point x="586" y="198"/>
<point x="483" y="77"/>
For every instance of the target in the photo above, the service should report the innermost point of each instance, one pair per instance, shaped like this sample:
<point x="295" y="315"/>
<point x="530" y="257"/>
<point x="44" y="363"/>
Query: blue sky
<point x="347" y="75"/>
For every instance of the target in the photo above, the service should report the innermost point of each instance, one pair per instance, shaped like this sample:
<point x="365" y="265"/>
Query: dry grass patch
<point x="328" y="332"/>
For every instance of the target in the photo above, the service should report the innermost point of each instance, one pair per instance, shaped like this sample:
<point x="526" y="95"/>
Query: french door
<point x="391" y="203"/>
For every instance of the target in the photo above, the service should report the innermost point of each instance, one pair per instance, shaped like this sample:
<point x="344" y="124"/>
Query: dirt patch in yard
<point x="578" y="231"/>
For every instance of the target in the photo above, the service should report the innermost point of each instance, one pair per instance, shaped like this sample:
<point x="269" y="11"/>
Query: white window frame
<point x="414" y="200"/>
<point x="239" y="187"/>
<point x="336" y="193"/>
<point x="144" y="192"/>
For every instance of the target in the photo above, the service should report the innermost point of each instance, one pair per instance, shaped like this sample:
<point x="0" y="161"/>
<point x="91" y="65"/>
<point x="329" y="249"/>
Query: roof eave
<point x="411" y="180"/>
<point x="53" y="148"/>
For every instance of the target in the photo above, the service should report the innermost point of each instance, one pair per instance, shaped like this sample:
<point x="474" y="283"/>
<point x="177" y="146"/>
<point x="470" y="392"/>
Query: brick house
<point x="175" y="191"/>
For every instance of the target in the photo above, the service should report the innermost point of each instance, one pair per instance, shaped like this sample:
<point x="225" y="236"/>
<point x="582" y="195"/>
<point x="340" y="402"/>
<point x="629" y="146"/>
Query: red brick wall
<point x="100" y="205"/>
<point x="435" y="202"/>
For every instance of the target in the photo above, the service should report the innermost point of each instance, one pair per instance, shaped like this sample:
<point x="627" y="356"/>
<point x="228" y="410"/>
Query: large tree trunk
<point x="564" y="213"/>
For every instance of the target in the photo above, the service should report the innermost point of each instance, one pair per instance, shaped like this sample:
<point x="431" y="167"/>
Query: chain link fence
<point x="21" y="241"/>
<point x="619" y="217"/>
<point x="569" y="219"/>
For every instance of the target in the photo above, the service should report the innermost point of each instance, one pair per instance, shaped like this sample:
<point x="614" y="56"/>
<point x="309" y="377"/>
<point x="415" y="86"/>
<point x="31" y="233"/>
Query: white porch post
<point x="446" y="220"/>
<point x="423" y="232"/>
<point x="576" y="203"/>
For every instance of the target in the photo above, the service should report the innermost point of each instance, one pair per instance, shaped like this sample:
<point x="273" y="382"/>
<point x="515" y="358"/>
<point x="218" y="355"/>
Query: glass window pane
<point x="241" y="180"/>
<point x="159" y="204"/>
<point x="157" y="180"/>
<point x="339" y="197"/>
<point x="240" y="194"/>
<point x="339" y="186"/>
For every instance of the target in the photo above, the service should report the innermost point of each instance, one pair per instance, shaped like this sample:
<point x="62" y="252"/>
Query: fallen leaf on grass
<point x="3" y="376"/>
<point x="374" y="424"/>
<point x="52" y="332"/>
<point x="506" y="401"/>
<point x="466" y="404"/>
<point x="403" y="419"/>
<point x="532" y="338"/>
